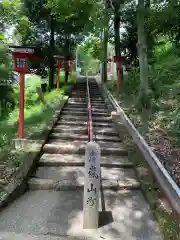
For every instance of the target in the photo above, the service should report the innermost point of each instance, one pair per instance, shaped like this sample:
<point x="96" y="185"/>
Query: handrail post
<point x="92" y="175"/>
<point x="91" y="186"/>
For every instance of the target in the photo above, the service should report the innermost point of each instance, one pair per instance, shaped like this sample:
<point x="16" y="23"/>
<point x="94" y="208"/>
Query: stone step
<point x="78" y="96"/>
<point x="70" y="123"/>
<point x="74" y="110"/>
<point x="77" y="113"/>
<point x="96" y="101"/>
<point x="83" y="130"/>
<point x="76" y="104"/>
<point x="84" y="113"/>
<point x="102" y="103"/>
<point x="69" y="136"/>
<point x="81" y="137"/>
<point x="101" y="110"/>
<point x="80" y="99"/>
<point x="100" y="114"/>
<point x="26" y="236"/>
<point x="78" y="160"/>
<point x="83" y="123"/>
<point x="63" y="128"/>
<point x="75" y="107"/>
<point x="99" y="105"/>
<point x="78" y="147"/>
<point x="71" y="178"/>
<point x="105" y="138"/>
<point x="84" y="109"/>
<point x="85" y="95"/>
<point x="84" y="118"/>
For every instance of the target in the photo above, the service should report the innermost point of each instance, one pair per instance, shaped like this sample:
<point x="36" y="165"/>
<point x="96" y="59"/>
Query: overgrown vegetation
<point x="37" y="119"/>
<point x="163" y="131"/>
<point x="164" y="83"/>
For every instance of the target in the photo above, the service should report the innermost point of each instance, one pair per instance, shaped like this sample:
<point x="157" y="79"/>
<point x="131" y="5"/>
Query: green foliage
<point x="7" y="101"/>
<point x="164" y="97"/>
<point x="94" y="47"/>
<point x="24" y="31"/>
<point x="86" y="59"/>
<point x="37" y="115"/>
<point x="9" y="12"/>
<point x="129" y="36"/>
<point x="37" y="120"/>
<point x="74" y="14"/>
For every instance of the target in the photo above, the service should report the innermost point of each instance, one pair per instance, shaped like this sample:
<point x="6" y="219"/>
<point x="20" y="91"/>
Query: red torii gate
<point x="59" y="65"/>
<point x="119" y="61"/>
<point x="61" y="61"/>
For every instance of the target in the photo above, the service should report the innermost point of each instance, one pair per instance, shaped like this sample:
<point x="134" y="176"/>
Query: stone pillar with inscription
<point x="91" y="186"/>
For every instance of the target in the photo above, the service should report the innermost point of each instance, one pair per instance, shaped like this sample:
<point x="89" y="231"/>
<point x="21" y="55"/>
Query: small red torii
<point x="21" y="56"/>
<point x="59" y="65"/>
<point x="62" y="62"/>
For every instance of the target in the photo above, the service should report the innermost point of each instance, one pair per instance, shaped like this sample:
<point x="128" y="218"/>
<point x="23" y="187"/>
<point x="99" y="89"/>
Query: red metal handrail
<point x="89" y="110"/>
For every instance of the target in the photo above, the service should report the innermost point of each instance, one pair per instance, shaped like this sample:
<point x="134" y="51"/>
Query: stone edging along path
<point x="18" y="183"/>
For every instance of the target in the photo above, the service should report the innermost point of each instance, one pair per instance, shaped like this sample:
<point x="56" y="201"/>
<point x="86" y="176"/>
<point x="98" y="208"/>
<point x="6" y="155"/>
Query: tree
<point x="60" y="23"/>
<point x="143" y="63"/>
<point x="115" y="5"/>
<point x="9" y="13"/>
<point x="41" y="18"/>
<point x="87" y="60"/>
<point x="24" y="31"/>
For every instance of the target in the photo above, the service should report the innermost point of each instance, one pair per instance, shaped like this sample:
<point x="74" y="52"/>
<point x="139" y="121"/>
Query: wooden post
<point x="21" y="108"/>
<point x="91" y="186"/>
<point x="58" y="79"/>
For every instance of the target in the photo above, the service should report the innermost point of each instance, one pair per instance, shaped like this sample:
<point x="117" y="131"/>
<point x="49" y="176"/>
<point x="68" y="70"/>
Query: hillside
<point x="164" y="119"/>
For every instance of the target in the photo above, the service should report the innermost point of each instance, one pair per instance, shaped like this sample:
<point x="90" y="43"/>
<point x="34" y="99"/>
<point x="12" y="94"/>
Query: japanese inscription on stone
<point x="92" y="183"/>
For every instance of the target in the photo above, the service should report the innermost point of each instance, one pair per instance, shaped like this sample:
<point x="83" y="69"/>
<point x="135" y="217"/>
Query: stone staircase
<point x="61" y="166"/>
<point x="52" y="208"/>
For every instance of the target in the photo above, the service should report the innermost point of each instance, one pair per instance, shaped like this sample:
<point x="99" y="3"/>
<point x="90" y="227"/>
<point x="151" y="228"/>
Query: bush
<point x="7" y="100"/>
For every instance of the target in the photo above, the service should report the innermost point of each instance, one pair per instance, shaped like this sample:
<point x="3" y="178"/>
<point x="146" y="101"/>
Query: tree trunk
<point x="51" y="60"/>
<point x="117" y="35"/>
<point x="105" y="43"/>
<point x="143" y="63"/>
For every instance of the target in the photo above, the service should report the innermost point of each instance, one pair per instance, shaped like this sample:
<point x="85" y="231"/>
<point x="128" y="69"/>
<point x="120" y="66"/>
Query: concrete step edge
<point x="50" y="148"/>
<point x="74" y="136"/>
<point x="49" y="184"/>
<point x="56" y="163"/>
<point x="59" y="129"/>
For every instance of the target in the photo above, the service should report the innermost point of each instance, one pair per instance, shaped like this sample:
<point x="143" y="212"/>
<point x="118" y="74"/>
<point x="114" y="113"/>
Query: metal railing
<point x="89" y="110"/>
<point x="165" y="181"/>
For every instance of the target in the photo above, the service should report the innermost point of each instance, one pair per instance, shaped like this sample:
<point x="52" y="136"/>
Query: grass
<point x="37" y="117"/>
<point x="71" y="78"/>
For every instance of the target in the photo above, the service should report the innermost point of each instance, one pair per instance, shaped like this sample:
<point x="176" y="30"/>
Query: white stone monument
<point x="91" y="186"/>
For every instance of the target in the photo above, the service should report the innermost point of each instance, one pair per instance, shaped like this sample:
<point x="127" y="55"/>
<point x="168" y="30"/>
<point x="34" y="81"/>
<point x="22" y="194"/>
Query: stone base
<point x="27" y="144"/>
